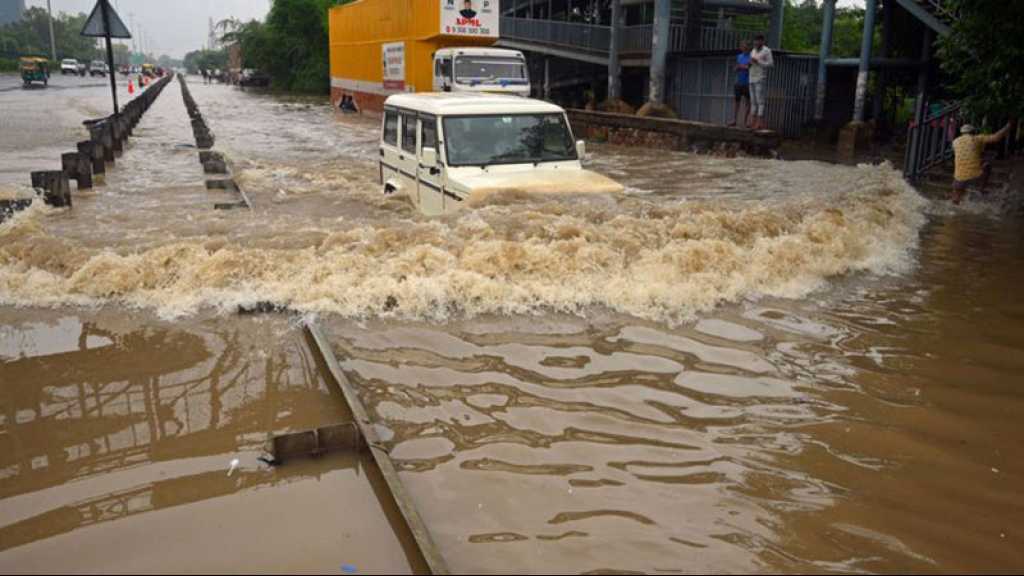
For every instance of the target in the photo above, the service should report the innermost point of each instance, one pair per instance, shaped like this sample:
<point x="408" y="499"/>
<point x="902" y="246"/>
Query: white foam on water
<point x="664" y="260"/>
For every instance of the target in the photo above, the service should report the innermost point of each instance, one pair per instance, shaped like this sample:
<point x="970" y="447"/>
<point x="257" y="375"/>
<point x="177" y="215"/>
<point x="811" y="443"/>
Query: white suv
<point x="452" y="149"/>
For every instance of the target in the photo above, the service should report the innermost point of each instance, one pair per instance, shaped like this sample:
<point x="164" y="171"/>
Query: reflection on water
<point x="104" y="419"/>
<point x="864" y="430"/>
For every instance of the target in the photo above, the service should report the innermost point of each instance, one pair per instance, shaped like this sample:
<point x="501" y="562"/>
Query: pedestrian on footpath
<point x="970" y="166"/>
<point x="742" y="86"/>
<point x="760" y="61"/>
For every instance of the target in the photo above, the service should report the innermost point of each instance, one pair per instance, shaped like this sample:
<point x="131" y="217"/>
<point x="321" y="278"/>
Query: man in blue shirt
<point x="742" y="87"/>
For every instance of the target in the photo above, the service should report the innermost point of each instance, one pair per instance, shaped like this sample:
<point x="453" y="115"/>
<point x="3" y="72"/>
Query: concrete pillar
<point x="777" y="21"/>
<point x="78" y="167"/>
<point x="55" y="186"/>
<point x="878" y="105"/>
<point x="547" y="78"/>
<point x="870" y="8"/>
<point x="659" y="49"/>
<point x="829" y="7"/>
<point x="614" y="65"/>
<point x="91" y="150"/>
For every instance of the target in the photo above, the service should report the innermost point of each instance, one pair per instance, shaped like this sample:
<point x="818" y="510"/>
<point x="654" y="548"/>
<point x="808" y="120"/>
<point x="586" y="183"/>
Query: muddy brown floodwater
<point x="738" y="365"/>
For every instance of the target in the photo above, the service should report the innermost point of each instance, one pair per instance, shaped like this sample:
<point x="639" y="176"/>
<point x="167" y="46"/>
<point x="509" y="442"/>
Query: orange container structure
<point x="384" y="47"/>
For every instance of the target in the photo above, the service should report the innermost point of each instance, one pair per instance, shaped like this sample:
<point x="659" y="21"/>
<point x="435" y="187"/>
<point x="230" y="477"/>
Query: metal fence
<point x="701" y="89"/>
<point x="931" y="142"/>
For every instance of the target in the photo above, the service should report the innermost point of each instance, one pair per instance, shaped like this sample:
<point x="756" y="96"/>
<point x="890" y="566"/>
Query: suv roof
<point x="468" y="103"/>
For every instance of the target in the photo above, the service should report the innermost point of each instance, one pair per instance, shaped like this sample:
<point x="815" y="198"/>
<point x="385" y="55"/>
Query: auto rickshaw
<point x="34" y="69"/>
<point x="149" y="70"/>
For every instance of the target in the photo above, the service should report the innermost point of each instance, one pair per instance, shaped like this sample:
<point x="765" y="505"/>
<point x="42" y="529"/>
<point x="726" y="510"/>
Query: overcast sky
<point x="170" y="26"/>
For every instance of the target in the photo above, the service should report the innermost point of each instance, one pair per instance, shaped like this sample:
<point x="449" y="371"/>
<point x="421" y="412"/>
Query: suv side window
<point x="428" y="132"/>
<point x="409" y="133"/>
<point x="391" y="127"/>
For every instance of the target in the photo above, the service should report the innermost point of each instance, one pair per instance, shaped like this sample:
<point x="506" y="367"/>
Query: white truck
<point x="493" y="70"/>
<point x="448" y="151"/>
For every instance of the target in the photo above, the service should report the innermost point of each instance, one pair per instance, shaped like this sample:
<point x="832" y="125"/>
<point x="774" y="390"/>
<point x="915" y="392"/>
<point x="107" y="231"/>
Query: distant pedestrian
<point x="760" y="60"/>
<point x="970" y="166"/>
<point x="742" y="86"/>
<point x="206" y="75"/>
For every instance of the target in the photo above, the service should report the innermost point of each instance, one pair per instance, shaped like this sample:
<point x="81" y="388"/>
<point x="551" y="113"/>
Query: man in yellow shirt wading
<point x="971" y="168"/>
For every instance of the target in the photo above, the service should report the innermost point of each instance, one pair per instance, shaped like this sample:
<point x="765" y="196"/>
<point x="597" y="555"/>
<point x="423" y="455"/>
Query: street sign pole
<point x="110" y="54"/>
<point x="105" y="23"/>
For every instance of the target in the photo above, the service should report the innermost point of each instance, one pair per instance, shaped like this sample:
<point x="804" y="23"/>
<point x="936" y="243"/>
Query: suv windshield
<point x="489" y="70"/>
<point x="507" y="139"/>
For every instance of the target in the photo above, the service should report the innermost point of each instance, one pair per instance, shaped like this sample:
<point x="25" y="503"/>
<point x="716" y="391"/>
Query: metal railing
<point x="568" y="34"/>
<point x="639" y="39"/>
<point x="712" y="38"/>
<point x="930" y="143"/>
<point x="635" y="39"/>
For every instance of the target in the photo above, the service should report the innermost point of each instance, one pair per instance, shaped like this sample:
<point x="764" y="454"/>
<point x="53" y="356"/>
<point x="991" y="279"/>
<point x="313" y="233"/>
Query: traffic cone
<point x="131" y="87"/>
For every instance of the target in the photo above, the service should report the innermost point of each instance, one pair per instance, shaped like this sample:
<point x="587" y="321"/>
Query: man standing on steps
<point x="970" y="167"/>
<point x="760" y="60"/>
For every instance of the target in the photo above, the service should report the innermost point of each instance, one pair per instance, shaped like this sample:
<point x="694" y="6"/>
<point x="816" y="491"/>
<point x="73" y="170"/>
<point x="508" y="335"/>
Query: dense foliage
<point x="31" y="36"/>
<point x="291" y="45"/>
<point x="983" y="58"/>
<point x="206" y="60"/>
<point x="802" y="30"/>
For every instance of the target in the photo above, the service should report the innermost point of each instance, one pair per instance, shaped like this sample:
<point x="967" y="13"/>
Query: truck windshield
<point x="489" y="70"/>
<point x="507" y="139"/>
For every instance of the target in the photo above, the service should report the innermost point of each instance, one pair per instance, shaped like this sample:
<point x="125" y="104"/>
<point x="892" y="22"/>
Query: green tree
<point x="31" y="36"/>
<point x="983" y="58"/>
<point x="292" y="45"/>
<point x="206" y="60"/>
<point x="802" y="30"/>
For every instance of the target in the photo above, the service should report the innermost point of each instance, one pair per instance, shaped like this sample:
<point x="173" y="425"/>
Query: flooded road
<point x="738" y="365"/>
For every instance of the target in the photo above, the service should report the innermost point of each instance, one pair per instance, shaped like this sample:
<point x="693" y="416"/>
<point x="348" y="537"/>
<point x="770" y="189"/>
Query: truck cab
<point x="492" y="70"/>
<point x="448" y="151"/>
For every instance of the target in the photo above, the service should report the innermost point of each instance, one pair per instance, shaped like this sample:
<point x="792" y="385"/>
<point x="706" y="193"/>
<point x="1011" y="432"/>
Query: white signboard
<point x="469" y="18"/>
<point x="393" y="55"/>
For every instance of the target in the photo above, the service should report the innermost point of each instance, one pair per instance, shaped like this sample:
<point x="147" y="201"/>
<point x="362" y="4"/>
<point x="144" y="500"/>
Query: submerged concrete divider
<point x="107" y="139"/>
<point x="213" y="162"/>
<point x="414" y="523"/>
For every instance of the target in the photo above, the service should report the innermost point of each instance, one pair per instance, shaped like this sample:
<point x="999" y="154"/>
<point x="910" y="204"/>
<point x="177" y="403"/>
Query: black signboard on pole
<point x="105" y="23"/>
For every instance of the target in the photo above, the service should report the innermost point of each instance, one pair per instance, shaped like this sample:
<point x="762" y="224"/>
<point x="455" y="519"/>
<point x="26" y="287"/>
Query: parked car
<point x="253" y="78"/>
<point x="68" y="66"/>
<point x="98" y="68"/>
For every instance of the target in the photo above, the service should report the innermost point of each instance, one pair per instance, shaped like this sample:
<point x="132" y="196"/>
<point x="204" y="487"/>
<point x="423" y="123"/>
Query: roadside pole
<point x="105" y="23"/>
<point x="110" y="55"/>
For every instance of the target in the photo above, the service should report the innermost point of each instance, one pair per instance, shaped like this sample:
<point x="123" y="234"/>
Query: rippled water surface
<point x="737" y="365"/>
